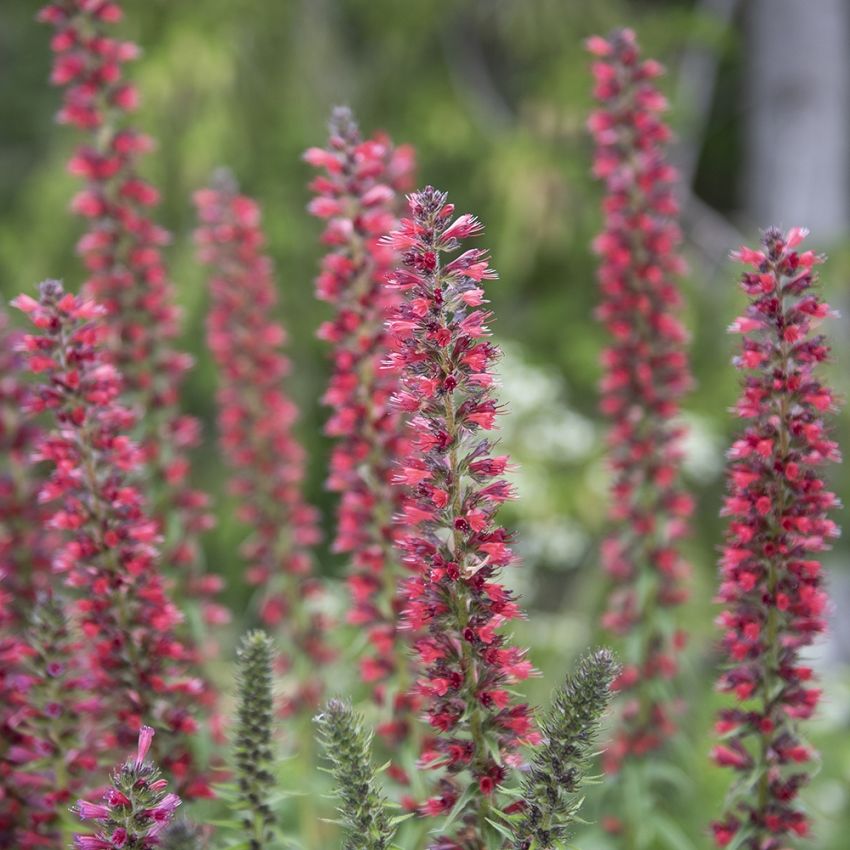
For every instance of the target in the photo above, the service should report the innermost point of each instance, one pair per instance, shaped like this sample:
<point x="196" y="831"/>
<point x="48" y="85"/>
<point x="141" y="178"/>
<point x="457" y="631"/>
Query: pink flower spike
<point x="771" y="583"/>
<point x="645" y="376"/>
<point x="256" y="420"/>
<point x="366" y="426"/>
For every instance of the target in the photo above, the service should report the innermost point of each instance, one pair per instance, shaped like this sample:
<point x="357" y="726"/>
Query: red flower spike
<point x="135" y="666"/>
<point x="256" y="420"/>
<point x="645" y="376"/>
<point x="122" y="251"/>
<point x="770" y="579"/>
<point x="454" y="597"/>
<point x="357" y="194"/>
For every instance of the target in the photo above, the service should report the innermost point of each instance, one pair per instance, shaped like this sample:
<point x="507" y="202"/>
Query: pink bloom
<point x="145" y="737"/>
<point x="770" y="586"/>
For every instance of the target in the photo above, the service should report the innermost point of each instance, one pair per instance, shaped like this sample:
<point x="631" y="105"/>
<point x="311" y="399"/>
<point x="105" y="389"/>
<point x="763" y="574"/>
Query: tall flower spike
<point x="256" y="420"/>
<point x="450" y="539"/>
<point x="356" y="194"/>
<point x="770" y="578"/>
<point x="108" y="556"/>
<point x="557" y="774"/>
<point x="252" y="747"/>
<point x="135" y="809"/>
<point x="48" y="755"/>
<point x="348" y="747"/>
<point x="122" y="250"/>
<point x="645" y="376"/>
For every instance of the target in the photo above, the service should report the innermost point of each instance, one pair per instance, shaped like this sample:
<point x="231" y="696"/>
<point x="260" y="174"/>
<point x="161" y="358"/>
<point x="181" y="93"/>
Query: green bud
<point x="252" y="748"/>
<point x="558" y="766"/>
<point x="348" y="747"/>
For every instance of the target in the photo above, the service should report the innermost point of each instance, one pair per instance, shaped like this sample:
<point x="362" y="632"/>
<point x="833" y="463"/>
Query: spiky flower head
<point x="253" y="743"/>
<point x="348" y="746"/>
<point x="453" y="486"/>
<point x="135" y="809"/>
<point x="559" y="764"/>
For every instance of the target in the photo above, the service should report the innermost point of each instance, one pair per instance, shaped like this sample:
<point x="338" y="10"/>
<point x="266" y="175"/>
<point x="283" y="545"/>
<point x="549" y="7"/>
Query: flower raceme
<point x="357" y="194"/>
<point x="122" y="250"/>
<point x="771" y="582"/>
<point x="46" y="754"/>
<point x="453" y="486"/>
<point x="645" y="376"/>
<point x="256" y="420"/>
<point x="108" y="556"/>
<point x="135" y="809"/>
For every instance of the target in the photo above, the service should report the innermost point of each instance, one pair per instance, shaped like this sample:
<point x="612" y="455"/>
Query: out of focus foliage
<point x="494" y="95"/>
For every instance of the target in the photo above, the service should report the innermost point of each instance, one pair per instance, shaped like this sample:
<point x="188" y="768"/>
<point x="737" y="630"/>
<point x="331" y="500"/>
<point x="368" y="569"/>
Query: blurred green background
<point x="494" y="95"/>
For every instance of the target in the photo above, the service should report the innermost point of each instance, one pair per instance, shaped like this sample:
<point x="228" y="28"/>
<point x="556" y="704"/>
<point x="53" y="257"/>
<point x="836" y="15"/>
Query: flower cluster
<point x="108" y="555"/>
<point x="122" y="250"/>
<point x="453" y="487"/>
<point x="363" y="807"/>
<point x="777" y="505"/>
<point x="256" y="419"/>
<point x="645" y="375"/>
<point x="135" y="809"/>
<point x="357" y="193"/>
<point x="557" y="773"/>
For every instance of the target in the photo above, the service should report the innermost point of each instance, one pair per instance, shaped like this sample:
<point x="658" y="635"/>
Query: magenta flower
<point x="256" y="419"/>
<point x="108" y="556"/>
<point x="645" y="376"/>
<point x="122" y="250"/>
<point x="357" y="195"/>
<point x="136" y="808"/>
<point x="450" y="540"/>
<point x="771" y="582"/>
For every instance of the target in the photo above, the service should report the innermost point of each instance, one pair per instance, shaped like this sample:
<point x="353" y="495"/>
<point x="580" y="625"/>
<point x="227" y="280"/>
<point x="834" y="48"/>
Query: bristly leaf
<point x="363" y="807"/>
<point x="550" y="793"/>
